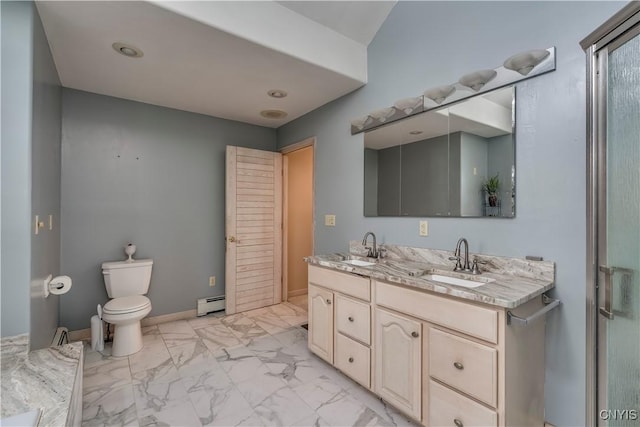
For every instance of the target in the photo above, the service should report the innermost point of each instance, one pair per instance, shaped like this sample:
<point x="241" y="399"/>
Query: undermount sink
<point x="359" y="263"/>
<point x="466" y="283"/>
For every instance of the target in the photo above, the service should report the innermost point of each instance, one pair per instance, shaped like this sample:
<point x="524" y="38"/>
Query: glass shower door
<point x="619" y="234"/>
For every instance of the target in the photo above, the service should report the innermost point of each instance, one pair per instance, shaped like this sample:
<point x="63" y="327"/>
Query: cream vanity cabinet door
<point x="321" y="322"/>
<point x="398" y="361"/>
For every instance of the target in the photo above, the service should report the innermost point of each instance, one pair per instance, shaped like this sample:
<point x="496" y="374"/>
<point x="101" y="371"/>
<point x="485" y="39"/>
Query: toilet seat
<point x="125" y="305"/>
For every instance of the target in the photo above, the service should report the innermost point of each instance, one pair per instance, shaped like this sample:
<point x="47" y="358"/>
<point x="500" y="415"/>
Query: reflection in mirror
<point x="441" y="163"/>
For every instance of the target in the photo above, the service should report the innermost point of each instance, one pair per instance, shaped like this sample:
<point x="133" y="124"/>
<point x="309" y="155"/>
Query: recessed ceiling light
<point x="415" y="132"/>
<point x="277" y="93"/>
<point x="127" y="50"/>
<point x="273" y="114"/>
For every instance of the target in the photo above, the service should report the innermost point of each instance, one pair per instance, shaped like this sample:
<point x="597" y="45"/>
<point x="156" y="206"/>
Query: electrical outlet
<point x="424" y="228"/>
<point x="212" y="281"/>
<point x="330" y="220"/>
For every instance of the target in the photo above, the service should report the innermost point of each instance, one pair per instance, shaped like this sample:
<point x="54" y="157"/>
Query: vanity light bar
<point x="518" y="67"/>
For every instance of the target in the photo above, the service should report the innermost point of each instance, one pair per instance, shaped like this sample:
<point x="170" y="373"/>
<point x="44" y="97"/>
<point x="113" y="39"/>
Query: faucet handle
<point x="475" y="269"/>
<point x="382" y="253"/>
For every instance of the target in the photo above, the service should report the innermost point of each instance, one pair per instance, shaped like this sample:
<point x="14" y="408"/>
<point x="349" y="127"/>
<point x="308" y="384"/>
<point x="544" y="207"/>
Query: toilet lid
<point x="126" y="304"/>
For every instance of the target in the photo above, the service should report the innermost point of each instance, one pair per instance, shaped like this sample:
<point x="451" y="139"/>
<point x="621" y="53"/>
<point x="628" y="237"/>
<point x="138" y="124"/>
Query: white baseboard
<point x="85" y="334"/>
<point x="297" y="293"/>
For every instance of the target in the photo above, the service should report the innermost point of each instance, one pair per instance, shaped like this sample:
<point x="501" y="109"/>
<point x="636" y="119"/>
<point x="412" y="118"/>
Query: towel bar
<point x="550" y="304"/>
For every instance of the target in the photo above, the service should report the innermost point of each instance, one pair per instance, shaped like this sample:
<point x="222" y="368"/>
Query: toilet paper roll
<point x="60" y="285"/>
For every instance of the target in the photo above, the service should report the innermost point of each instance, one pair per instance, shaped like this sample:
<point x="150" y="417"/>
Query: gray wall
<point x="500" y="162"/>
<point x="424" y="176"/>
<point x="45" y="191"/>
<point x="17" y="33"/>
<point x="473" y="155"/>
<point x="31" y="126"/>
<point x="153" y="176"/>
<point x="426" y="44"/>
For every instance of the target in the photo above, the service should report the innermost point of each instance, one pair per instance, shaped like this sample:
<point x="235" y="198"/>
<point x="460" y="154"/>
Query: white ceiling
<point x="215" y="58"/>
<point x="357" y="20"/>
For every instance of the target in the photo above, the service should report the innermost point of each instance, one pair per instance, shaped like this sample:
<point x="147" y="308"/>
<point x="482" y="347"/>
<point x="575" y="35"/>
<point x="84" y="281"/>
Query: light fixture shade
<point x="524" y="62"/>
<point x="361" y="122"/>
<point x="407" y="105"/>
<point x="440" y="93"/>
<point x="382" y="114"/>
<point x="478" y="79"/>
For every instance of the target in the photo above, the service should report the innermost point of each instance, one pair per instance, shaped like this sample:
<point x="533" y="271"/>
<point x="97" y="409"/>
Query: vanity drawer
<point x="353" y="319"/>
<point x="465" y="365"/>
<point x="468" y="318"/>
<point x="353" y="358"/>
<point x="349" y="284"/>
<point x="448" y="408"/>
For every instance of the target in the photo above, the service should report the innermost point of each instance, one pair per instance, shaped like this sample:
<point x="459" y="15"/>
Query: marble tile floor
<point x="247" y="369"/>
<point x="300" y="301"/>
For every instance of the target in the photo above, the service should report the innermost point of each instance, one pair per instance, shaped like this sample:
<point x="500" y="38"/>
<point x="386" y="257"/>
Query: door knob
<point x="458" y="365"/>
<point x="351" y="360"/>
<point x="415" y="334"/>
<point x="232" y="239"/>
<point x="350" y="318"/>
<point x="328" y="301"/>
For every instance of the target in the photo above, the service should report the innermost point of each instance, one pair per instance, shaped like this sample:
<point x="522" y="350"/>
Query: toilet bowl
<point x="127" y="282"/>
<point x="125" y="314"/>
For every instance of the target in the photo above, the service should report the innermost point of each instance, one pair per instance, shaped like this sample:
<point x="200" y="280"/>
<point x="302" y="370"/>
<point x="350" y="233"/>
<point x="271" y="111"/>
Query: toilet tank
<point x="126" y="278"/>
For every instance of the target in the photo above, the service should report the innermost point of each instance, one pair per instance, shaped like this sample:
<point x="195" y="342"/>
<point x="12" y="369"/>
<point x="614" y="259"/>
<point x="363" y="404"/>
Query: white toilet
<point x="127" y="282"/>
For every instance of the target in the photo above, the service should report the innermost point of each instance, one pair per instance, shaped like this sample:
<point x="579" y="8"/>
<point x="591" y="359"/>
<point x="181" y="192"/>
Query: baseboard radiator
<point x="61" y="337"/>
<point x="210" y="305"/>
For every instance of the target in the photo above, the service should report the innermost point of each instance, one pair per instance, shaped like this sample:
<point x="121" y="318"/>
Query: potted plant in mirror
<point x="490" y="186"/>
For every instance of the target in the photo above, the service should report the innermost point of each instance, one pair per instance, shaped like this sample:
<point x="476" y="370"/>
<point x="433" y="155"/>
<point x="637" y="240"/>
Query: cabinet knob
<point x="328" y="301"/>
<point x="458" y="423"/>
<point x="415" y="334"/>
<point x="458" y="365"/>
<point x="350" y="318"/>
<point x="351" y="360"/>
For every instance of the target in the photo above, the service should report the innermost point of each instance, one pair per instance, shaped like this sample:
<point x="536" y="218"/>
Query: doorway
<point x="613" y="273"/>
<point x="298" y="221"/>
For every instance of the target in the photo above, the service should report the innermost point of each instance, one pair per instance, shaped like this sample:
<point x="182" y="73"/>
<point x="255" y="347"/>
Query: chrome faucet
<point x="372" y="251"/>
<point x="457" y="256"/>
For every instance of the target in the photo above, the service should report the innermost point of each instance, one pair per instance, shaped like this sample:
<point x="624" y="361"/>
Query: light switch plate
<point x="212" y="281"/>
<point x="424" y="228"/>
<point x="330" y="220"/>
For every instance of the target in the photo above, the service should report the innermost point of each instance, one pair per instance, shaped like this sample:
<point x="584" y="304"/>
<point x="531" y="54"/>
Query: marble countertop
<point x="506" y="291"/>
<point x="41" y="379"/>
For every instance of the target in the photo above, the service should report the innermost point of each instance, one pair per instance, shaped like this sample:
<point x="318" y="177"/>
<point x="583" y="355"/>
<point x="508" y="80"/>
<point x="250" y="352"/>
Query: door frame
<point x="308" y="142"/>
<point x="596" y="46"/>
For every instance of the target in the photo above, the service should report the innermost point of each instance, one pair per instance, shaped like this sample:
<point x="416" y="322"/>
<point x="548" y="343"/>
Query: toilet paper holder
<point x="56" y="285"/>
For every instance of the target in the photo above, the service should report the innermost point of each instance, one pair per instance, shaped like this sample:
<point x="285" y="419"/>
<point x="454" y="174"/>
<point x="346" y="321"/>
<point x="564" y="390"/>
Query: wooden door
<point x="398" y="361"/>
<point x="253" y="229"/>
<point x="321" y="322"/>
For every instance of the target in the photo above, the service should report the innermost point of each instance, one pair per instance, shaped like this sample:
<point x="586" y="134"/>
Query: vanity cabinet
<point x="321" y="322"/>
<point x="439" y="359"/>
<point x="340" y="321"/>
<point x="475" y="370"/>
<point x="398" y="355"/>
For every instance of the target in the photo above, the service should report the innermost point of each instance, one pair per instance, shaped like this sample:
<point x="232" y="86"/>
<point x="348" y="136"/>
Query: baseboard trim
<point x="85" y="334"/>
<point x="297" y="293"/>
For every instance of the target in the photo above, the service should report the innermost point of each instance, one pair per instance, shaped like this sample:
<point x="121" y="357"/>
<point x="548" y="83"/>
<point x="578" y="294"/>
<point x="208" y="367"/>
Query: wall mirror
<point x="441" y="163"/>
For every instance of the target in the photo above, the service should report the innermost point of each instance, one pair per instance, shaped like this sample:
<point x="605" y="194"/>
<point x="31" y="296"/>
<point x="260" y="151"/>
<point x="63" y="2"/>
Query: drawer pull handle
<point x="458" y="423"/>
<point x="328" y="301"/>
<point x="350" y="318"/>
<point x="351" y="360"/>
<point x="458" y="365"/>
<point x="415" y="334"/>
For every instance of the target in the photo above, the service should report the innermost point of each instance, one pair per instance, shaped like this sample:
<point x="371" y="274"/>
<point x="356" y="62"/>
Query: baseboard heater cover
<point x="210" y="305"/>
<point x="61" y="337"/>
